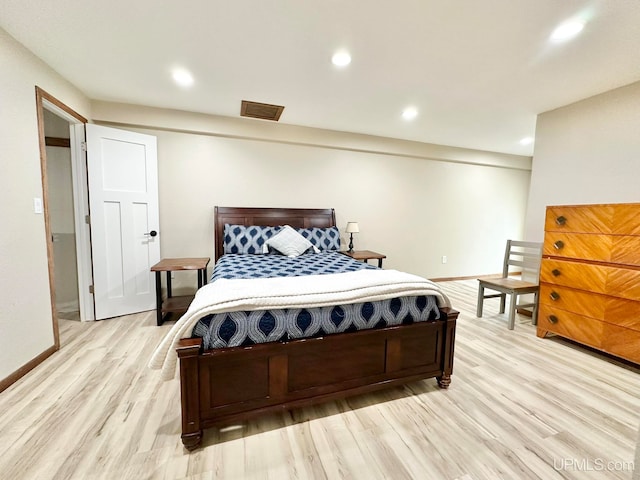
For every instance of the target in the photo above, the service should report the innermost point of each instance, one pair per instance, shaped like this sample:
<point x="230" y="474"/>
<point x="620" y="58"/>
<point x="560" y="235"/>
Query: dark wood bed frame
<point x="229" y="385"/>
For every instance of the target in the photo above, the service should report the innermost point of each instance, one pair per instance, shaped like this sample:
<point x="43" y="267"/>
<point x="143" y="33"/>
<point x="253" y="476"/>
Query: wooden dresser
<point x="590" y="277"/>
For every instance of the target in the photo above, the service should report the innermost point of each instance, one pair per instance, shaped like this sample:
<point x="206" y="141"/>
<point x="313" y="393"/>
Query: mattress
<point x="244" y="328"/>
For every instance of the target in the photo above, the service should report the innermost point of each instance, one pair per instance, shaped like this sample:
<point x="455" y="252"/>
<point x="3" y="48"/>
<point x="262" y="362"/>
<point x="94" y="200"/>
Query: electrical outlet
<point x="37" y="205"/>
<point x="444" y="259"/>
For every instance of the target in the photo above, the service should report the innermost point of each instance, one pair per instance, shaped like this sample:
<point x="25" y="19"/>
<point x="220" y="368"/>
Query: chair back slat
<point x="524" y="255"/>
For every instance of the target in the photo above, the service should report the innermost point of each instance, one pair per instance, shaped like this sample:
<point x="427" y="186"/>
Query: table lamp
<point x="352" y="227"/>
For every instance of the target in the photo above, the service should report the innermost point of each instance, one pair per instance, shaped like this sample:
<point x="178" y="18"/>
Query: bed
<point x="229" y="382"/>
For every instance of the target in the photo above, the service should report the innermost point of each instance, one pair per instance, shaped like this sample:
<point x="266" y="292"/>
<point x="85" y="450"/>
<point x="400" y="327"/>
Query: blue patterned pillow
<point x="323" y="238"/>
<point x="247" y="239"/>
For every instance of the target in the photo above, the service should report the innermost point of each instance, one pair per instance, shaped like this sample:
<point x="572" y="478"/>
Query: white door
<point x="122" y="171"/>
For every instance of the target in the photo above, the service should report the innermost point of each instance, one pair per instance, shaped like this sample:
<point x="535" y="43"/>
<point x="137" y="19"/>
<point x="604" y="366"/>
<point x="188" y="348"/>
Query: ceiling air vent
<point x="261" y="110"/>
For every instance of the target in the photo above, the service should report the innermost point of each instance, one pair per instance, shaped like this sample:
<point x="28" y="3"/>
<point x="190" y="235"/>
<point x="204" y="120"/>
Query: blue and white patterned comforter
<point x="243" y="328"/>
<point x="264" y="266"/>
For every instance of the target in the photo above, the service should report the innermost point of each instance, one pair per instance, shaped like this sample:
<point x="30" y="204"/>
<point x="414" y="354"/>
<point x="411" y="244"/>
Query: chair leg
<point x="534" y="315"/>
<point x="480" y="301"/>
<point x="512" y="310"/>
<point x="503" y="298"/>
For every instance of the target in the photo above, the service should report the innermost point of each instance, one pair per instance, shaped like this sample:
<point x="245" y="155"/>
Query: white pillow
<point x="289" y="242"/>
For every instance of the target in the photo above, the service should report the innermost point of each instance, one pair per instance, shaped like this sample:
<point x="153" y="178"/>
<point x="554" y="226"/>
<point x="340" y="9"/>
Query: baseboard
<point x="26" y="368"/>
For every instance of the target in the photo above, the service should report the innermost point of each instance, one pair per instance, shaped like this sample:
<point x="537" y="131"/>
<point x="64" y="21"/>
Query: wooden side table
<point x="180" y="303"/>
<point x="366" y="255"/>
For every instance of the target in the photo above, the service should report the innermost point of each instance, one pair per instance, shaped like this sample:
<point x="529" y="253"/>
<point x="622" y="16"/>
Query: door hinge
<point x="87" y="219"/>
<point x="83" y="146"/>
<point x="90" y="288"/>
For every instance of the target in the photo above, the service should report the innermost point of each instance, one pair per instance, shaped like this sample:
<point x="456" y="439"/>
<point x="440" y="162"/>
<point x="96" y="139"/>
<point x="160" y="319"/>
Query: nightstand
<point x="365" y="255"/>
<point x="180" y="303"/>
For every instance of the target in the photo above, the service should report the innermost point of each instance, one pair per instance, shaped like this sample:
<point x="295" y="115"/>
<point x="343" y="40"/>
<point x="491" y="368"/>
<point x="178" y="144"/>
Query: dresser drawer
<point x="617" y="311"/>
<point x="622" y="342"/>
<point x="586" y="246"/>
<point x="571" y="300"/>
<point x="619" y="249"/>
<point x="618" y="218"/>
<point x="582" y="276"/>
<point x="577" y="327"/>
<point x="616" y="281"/>
<point x="580" y="218"/>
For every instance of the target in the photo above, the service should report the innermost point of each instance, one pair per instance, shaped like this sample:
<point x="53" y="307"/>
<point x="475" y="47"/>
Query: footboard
<point x="229" y="385"/>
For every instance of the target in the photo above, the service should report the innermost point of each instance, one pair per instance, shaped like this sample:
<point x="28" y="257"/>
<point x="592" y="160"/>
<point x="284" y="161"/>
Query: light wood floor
<point x="518" y="407"/>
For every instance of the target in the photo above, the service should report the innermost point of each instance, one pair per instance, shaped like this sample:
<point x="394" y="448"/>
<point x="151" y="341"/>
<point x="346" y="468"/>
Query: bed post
<point x="187" y="351"/>
<point x="447" y="356"/>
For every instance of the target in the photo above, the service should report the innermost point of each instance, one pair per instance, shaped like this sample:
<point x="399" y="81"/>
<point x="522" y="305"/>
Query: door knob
<point x="152" y="233"/>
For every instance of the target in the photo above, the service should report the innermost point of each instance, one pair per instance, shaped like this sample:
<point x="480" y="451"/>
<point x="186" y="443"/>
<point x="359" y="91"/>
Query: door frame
<point x="46" y="101"/>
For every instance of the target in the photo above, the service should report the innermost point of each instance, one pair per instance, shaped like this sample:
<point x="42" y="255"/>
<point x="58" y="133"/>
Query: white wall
<point x="586" y="152"/>
<point x="414" y="202"/>
<point x="26" y="328"/>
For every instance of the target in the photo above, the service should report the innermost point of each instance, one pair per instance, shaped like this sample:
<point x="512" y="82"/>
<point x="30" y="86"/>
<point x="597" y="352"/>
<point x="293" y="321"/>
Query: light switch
<point x="37" y="205"/>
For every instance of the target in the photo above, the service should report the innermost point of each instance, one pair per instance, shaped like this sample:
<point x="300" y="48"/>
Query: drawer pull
<point x="561" y="220"/>
<point x="554" y="296"/>
<point x="553" y="319"/>
<point x="559" y="244"/>
<point x="556" y="272"/>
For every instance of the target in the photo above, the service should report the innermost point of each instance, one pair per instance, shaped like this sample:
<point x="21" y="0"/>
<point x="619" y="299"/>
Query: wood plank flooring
<point x="519" y="407"/>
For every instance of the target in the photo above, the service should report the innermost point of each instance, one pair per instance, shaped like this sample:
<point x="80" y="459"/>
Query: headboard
<point x="296" y="217"/>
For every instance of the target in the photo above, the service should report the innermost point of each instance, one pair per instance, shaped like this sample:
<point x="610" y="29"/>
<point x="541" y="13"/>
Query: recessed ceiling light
<point x="526" y="141"/>
<point x="567" y="30"/>
<point x="410" y="113"/>
<point x="182" y="77"/>
<point x="341" y="59"/>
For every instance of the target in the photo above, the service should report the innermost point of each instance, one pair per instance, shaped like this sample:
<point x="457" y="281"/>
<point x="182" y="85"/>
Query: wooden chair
<point x="526" y="256"/>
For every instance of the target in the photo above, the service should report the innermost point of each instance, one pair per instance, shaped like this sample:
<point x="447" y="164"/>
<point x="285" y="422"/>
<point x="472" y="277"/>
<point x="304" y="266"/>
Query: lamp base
<point x="350" y="243"/>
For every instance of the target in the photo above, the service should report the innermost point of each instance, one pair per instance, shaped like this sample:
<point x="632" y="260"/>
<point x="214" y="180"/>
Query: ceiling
<point x="478" y="71"/>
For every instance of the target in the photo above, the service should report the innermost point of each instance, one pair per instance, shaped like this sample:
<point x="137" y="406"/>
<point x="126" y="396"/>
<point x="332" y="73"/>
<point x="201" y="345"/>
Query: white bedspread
<point x="289" y="292"/>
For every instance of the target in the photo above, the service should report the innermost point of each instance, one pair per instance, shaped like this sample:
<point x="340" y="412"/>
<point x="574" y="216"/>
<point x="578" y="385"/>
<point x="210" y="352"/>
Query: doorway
<point x="64" y="188"/>
<point x="61" y="215"/>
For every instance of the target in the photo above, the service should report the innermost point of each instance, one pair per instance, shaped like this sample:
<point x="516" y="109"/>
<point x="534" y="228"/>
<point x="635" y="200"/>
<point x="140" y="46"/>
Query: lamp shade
<point x="352" y="227"/>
